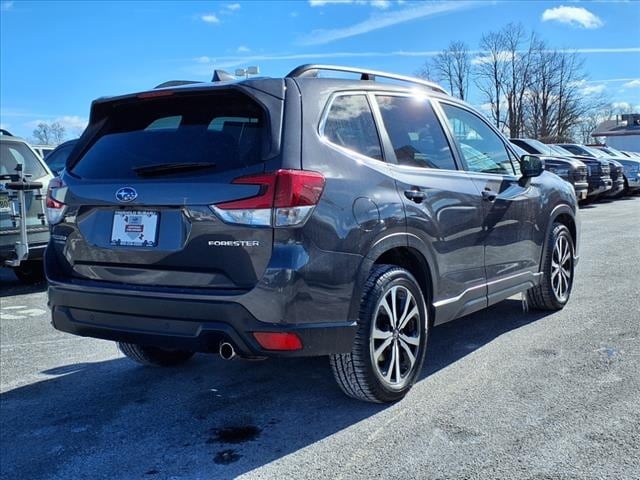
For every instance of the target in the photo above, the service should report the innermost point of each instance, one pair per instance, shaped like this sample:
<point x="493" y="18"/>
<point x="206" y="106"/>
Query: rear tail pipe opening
<point x="227" y="351"/>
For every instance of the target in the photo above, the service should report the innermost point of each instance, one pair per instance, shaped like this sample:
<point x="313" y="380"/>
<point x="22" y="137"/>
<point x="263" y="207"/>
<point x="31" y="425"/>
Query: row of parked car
<point x="595" y="171"/>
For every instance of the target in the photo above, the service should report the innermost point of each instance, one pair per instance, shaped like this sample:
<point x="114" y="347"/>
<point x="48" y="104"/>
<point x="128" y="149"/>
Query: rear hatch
<point x="12" y="154"/>
<point x="137" y="196"/>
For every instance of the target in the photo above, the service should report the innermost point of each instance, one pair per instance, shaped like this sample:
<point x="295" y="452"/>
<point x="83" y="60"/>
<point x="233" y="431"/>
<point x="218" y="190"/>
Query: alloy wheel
<point x="561" y="268"/>
<point x="395" y="336"/>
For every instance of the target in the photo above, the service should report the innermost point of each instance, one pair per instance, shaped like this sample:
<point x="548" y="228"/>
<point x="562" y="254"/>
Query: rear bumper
<point x="190" y="324"/>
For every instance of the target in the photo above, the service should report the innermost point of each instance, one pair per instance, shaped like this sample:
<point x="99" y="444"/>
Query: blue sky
<point x="57" y="56"/>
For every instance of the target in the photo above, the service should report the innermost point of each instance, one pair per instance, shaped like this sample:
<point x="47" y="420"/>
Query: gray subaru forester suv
<point x="300" y="216"/>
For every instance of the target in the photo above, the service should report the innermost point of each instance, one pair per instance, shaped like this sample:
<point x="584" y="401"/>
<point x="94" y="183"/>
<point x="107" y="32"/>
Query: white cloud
<point x="593" y="89"/>
<point x="381" y="4"/>
<point x="488" y="58"/>
<point x="6" y="6"/>
<point x="378" y="21"/>
<point x="632" y="84"/>
<point x="209" y="18"/>
<point x="621" y="105"/>
<point x="574" y="16"/>
<point x="233" y="6"/>
<point x="243" y="49"/>
<point x="293" y="14"/>
<point x="235" y="60"/>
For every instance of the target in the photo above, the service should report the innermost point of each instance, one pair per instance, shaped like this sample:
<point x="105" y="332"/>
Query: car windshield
<point x="558" y="150"/>
<point x="596" y="153"/>
<point x="541" y="147"/>
<point x="13" y="154"/>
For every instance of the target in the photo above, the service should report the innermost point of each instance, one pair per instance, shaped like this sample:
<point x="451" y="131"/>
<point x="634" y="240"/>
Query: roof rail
<point x="6" y="133"/>
<point x="175" y="83"/>
<point x="311" y="70"/>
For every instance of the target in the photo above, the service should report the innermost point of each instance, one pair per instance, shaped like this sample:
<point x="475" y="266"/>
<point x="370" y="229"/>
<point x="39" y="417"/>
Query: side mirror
<point x="531" y="166"/>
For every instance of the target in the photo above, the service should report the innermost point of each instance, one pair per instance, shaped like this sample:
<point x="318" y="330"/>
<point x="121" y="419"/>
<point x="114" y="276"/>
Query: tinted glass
<point x="226" y="130"/>
<point x="524" y="146"/>
<point x="57" y="160"/>
<point x="577" y="150"/>
<point x="482" y="148"/>
<point x="415" y="133"/>
<point x="14" y="153"/>
<point x="350" y="124"/>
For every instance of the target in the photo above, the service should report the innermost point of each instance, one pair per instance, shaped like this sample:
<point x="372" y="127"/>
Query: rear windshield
<point x="223" y="131"/>
<point x="14" y="153"/>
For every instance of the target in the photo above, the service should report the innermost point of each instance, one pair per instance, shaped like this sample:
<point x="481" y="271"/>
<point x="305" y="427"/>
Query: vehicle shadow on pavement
<point x="10" y="285"/>
<point x="208" y="419"/>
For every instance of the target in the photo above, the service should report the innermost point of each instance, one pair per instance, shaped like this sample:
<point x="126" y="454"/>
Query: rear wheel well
<point x="411" y="260"/>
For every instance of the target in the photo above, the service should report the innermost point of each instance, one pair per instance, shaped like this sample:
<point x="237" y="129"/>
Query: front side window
<point x="482" y="149"/>
<point x="415" y="133"/>
<point x="350" y="124"/>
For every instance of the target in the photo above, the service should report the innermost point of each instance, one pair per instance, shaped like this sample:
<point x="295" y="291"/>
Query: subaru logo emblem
<point x="126" y="194"/>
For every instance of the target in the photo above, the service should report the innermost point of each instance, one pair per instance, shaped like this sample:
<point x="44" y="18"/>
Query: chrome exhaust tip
<point x="227" y="352"/>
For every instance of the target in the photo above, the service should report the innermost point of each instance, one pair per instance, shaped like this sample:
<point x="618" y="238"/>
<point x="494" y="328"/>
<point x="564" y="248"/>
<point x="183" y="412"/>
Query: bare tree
<point x="555" y="103"/>
<point x="452" y="66"/>
<point x="490" y="74"/>
<point x="519" y="53"/>
<point x="49" y="133"/>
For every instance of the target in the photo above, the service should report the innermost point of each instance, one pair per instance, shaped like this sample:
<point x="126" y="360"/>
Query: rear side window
<point x="14" y="153"/>
<point x="222" y="131"/>
<point x="350" y="124"/>
<point x="415" y="133"/>
<point x="58" y="159"/>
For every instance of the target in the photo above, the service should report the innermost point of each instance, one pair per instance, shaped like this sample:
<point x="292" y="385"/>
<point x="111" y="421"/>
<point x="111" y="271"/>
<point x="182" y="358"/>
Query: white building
<point x="622" y="133"/>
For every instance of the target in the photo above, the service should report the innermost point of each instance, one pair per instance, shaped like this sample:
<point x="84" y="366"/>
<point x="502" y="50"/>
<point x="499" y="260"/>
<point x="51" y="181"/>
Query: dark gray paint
<point x="476" y="252"/>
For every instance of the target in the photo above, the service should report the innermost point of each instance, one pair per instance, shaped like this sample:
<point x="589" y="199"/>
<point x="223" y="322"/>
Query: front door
<point x="510" y="252"/>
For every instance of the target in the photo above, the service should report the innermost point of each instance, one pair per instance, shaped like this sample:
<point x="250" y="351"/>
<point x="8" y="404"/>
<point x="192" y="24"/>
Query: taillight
<point x="286" y="199"/>
<point x="55" y="208"/>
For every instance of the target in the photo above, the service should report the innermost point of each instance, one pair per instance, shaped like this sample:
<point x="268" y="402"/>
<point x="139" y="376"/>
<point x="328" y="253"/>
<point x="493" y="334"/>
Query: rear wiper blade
<point x="169" y="168"/>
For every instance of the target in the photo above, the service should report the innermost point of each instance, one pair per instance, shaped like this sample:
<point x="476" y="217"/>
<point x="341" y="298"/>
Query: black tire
<point x="30" y="272"/>
<point x="154" y="356"/>
<point x="357" y="373"/>
<point x="551" y="295"/>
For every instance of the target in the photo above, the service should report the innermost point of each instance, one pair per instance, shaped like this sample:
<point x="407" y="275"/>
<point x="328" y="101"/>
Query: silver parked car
<point x="24" y="232"/>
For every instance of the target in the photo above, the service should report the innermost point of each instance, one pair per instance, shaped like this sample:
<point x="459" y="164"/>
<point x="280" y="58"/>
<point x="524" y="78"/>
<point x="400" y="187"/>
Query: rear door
<point x="443" y="206"/>
<point x="142" y="195"/>
<point x="511" y="252"/>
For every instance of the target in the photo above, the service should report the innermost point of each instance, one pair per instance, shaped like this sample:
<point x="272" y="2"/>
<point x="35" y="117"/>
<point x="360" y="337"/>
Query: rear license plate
<point x="134" y="228"/>
<point x="4" y="203"/>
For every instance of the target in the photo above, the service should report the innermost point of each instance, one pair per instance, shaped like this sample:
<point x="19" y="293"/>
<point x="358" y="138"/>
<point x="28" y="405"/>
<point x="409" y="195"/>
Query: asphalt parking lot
<point x="504" y="394"/>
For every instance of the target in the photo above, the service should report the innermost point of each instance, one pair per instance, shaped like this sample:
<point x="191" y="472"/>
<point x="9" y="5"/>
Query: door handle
<point x="416" y="195"/>
<point x="489" y="195"/>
